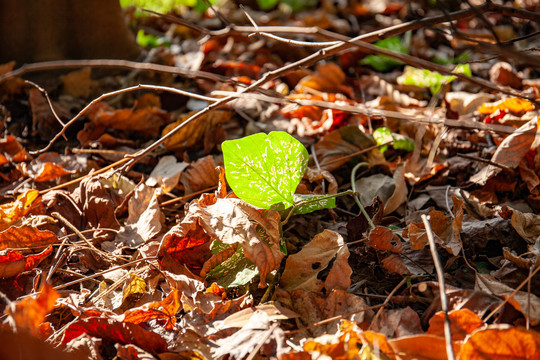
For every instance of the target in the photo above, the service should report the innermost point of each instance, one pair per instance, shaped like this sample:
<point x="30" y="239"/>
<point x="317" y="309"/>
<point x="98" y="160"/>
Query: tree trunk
<point x="41" y="30"/>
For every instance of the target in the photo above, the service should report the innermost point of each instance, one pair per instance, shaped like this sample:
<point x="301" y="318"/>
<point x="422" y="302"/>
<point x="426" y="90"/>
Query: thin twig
<point x="442" y="288"/>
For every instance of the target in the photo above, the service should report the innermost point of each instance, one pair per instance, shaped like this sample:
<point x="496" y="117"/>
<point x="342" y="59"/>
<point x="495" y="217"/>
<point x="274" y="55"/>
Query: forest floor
<point x="346" y="181"/>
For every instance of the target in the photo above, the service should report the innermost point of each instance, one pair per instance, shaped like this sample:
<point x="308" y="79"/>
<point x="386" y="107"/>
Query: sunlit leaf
<point x="429" y="79"/>
<point x="11" y="212"/>
<point x="514" y="105"/>
<point x="383" y="63"/>
<point x="13" y="262"/>
<point x="502" y="342"/>
<point x="162" y="310"/>
<point x="462" y="323"/>
<point x="265" y="170"/>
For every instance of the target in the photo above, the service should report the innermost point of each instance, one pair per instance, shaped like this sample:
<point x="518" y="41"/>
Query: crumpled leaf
<point x="51" y="166"/>
<point x="335" y="148"/>
<point x="144" y="219"/>
<point x="527" y="225"/>
<point x="146" y="116"/>
<point x="12" y="150"/>
<point x="258" y="331"/>
<point x="229" y="221"/>
<point x="328" y="77"/>
<point x="446" y="231"/>
<point x="13" y="262"/>
<point x="515" y="105"/>
<point x="116" y="332"/>
<point x="23" y="205"/>
<point x="509" y="153"/>
<point x="30" y="312"/>
<point x="463" y="103"/>
<point x="166" y="173"/>
<point x="25" y="235"/>
<point x="164" y="310"/>
<point x="326" y="253"/>
<point x="200" y="175"/>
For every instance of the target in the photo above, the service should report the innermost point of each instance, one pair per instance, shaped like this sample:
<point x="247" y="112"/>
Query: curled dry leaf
<point x="200" y="175"/>
<point x="146" y="117"/>
<point x="12" y="150"/>
<point x="116" y="332"/>
<point x="23" y="205"/>
<point x="164" y="310"/>
<point x="30" y="312"/>
<point x="13" y="262"/>
<point x="144" y="219"/>
<point x="166" y="173"/>
<point x="51" y="166"/>
<point x="325" y="253"/>
<point x="25" y="235"/>
<point x="509" y="153"/>
<point x="229" y="221"/>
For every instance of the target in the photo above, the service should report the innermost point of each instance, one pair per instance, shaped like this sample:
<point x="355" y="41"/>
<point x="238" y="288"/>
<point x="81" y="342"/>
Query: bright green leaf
<point x="383" y="63"/>
<point x="323" y="203"/>
<point x="264" y="170"/>
<point x="267" y="4"/>
<point x="382" y="135"/>
<point x="430" y="79"/>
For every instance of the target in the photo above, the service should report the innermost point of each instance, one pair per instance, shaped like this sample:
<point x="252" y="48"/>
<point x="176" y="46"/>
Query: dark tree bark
<point x="41" y="30"/>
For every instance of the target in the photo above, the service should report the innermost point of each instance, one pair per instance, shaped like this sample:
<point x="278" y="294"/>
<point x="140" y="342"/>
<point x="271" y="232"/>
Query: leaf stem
<point x="316" y="199"/>
<point x="353" y="186"/>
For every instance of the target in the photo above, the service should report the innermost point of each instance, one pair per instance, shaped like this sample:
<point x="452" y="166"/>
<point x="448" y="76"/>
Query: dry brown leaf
<point x="509" y="153"/>
<point x="146" y="120"/>
<point x="25" y="235"/>
<point x="382" y="238"/>
<point x="194" y="132"/>
<point x="302" y="270"/>
<point x="144" y="219"/>
<point x="12" y="150"/>
<point x="328" y="78"/>
<point x="200" y="175"/>
<point x="527" y="225"/>
<point x="78" y="83"/>
<point x="51" y="166"/>
<point x="43" y="120"/>
<point x="166" y="173"/>
<point x="398" y="323"/>
<point x="399" y="196"/>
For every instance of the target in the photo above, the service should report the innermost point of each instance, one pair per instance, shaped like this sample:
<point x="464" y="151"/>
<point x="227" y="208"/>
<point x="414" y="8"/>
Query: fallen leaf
<point x="462" y="323"/>
<point x="51" y="166"/>
<point x="12" y="150"/>
<point x="164" y="310"/>
<point x="514" y="105"/>
<point x="79" y="83"/>
<point x="193" y="133"/>
<point x="26" y="235"/>
<point x="200" y="174"/>
<point x="13" y="262"/>
<point x="509" y="153"/>
<point x="22" y="206"/>
<point x="30" y="312"/>
<point x="116" y="332"/>
<point x="422" y="347"/>
<point x="166" y="173"/>
<point x="325" y="253"/>
<point x="501" y="342"/>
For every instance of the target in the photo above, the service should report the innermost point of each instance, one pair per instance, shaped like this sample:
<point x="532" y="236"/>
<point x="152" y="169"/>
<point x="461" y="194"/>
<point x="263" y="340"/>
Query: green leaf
<point x="235" y="271"/>
<point x="149" y="40"/>
<point x="430" y="79"/>
<point x="383" y="63"/>
<point x="323" y="203"/>
<point x="267" y="4"/>
<point x="383" y="135"/>
<point x="264" y="170"/>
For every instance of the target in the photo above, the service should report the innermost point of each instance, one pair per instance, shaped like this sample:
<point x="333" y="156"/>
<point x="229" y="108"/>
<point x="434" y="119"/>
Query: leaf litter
<point x="225" y="242"/>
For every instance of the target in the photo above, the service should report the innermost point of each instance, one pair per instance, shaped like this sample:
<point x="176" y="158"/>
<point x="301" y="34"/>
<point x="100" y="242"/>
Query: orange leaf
<point x="13" y="263"/>
<point x="515" y="105"/>
<point x="422" y="347"/>
<point x="382" y="238"/>
<point x="162" y="310"/>
<point x="498" y="342"/>
<point x="462" y="323"/>
<point x="12" y="150"/>
<point x="394" y="263"/>
<point x="30" y="312"/>
<point x="378" y="342"/>
<point x="25" y="236"/>
<point x="9" y="213"/>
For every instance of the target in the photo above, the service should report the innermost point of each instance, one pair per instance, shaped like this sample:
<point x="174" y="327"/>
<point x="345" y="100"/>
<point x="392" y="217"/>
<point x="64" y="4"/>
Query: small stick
<point x="442" y="288"/>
